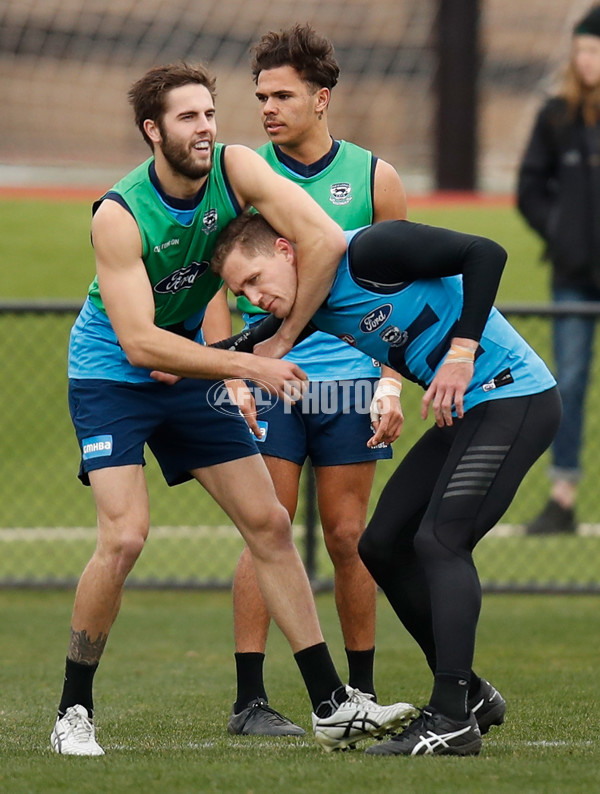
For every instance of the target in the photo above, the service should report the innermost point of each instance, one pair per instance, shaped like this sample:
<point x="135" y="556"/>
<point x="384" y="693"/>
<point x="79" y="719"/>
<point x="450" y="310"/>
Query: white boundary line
<point x="306" y="741"/>
<point x="31" y="534"/>
<point x="517" y="530"/>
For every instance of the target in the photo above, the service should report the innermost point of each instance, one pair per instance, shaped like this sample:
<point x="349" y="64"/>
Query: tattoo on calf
<point x="83" y="649"/>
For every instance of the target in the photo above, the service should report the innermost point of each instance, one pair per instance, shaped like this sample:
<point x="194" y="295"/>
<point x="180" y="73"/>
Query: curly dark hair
<point x="300" y="47"/>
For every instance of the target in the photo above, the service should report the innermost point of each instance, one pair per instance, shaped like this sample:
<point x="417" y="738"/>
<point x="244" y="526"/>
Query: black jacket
<point x="559" y="193"/>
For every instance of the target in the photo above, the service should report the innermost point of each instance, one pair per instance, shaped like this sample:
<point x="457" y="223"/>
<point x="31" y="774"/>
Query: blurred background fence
<point x="47" y="517"/>
<point x="435" y="87"/>
<point x="67" y="65"/>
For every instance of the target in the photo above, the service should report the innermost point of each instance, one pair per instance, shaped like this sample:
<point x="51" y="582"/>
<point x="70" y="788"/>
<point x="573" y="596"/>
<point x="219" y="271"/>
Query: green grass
<point x="55" y="260"/>
<point x="166" y="684"/>
<point x="45" y="249"/>
<point x="525" y="278"/>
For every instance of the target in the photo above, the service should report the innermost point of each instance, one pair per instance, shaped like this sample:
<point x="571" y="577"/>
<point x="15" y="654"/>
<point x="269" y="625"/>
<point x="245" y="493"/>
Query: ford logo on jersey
<point x="375" y="319"/>
<point x="183" y="278"/>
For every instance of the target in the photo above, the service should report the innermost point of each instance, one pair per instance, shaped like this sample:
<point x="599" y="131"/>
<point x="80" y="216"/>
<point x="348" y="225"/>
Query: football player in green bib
<point x="153" y="235"/>
<point x="295" y="71"/>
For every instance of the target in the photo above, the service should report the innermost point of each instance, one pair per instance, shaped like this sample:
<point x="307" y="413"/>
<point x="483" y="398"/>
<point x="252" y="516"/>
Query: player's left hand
<point x="446" y="392"/>
<point x="387" y="417"/>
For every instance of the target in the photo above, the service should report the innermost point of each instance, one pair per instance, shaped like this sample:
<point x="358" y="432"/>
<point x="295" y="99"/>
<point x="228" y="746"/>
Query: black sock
<point x="360" y="670"/>
<point x="450" y="692"/>
<point x="319" y="673"/>
<point x="250" y="684"/>
<point x="77" y="687"/>
<point x="327" y="707"/>
<point x="474" y="685"/>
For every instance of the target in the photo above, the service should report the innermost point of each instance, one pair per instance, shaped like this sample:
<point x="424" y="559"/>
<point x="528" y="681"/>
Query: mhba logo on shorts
<point x="96" y="447"/>
<point x="218" y="397"/>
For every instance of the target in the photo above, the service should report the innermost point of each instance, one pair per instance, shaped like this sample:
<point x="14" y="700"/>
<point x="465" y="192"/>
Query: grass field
<point x="46" y="251"/>
<point x="166" y="685"/>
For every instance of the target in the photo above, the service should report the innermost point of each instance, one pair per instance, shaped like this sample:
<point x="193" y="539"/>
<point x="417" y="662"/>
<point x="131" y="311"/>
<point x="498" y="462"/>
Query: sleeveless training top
<point x="410" y="330"/>
<point x="344" y="190"/>
<point x="177" y="258"/>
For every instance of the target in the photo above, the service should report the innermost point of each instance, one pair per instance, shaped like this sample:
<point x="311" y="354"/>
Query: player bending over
<point x="420" y="299"/>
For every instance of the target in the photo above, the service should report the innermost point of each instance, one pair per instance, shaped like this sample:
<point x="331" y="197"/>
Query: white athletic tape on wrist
<point x="387" y="387"/>
<point x="459" y="355"/>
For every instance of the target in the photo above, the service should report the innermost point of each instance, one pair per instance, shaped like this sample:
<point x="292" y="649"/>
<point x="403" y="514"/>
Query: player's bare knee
<point x="342" y="542"/>
<point x="270" y="533"/>
<point x="131" y="548"/>
<point x="122" y="550"/>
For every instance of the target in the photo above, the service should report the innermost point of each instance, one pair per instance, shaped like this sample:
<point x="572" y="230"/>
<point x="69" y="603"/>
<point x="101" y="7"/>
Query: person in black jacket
<point x="559" y="196"/>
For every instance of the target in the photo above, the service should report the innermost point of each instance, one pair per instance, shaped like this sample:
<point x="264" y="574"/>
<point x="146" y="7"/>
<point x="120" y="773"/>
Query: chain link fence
<point x="47" y="517"/>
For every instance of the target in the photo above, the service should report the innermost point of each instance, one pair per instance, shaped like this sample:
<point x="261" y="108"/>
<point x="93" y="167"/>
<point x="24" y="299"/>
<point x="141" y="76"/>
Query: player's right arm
<point x="216" y="326"/>
<point x="389" y="196"/>
<point x="127" y="295"/>
<point x="319" y="241"/>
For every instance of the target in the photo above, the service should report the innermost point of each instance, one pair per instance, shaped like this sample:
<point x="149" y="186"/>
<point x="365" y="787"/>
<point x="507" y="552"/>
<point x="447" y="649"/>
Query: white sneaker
<point x="74" y="734"/>
<point x="359" y="718"/>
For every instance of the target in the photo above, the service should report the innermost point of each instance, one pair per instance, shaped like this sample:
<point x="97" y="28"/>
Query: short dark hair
<point x="147" y="95"/>
<point x="300" y="47"/>
<point x="249" y="232"/>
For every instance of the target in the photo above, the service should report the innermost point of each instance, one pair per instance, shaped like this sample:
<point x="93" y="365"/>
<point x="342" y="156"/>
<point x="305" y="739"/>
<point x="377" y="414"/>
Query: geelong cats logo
<point x="339" y="193"/>
<point x="393" y="336"/>
<point x="209" y="221"/>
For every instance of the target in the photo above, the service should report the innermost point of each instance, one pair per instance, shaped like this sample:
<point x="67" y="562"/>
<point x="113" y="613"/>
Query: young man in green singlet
<point x="295" y="71"/>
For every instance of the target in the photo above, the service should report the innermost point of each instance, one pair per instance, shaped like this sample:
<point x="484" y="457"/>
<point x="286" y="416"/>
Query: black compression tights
<point x="451" y="488"/>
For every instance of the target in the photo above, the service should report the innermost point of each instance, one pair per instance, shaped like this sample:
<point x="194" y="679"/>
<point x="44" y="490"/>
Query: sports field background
<point x="68" y="64"/>
<point x="166" y="684"/>
<point x="47" y="517"/>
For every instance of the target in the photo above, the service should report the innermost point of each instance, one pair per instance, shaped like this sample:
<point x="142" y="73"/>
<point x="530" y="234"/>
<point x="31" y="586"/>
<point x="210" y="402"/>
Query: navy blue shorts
<point x="330" y="425"/>
<point x="187" y="426"/>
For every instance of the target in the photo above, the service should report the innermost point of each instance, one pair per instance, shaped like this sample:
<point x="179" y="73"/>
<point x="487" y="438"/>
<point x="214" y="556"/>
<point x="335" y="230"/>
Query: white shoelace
<point x="79" y="726"/>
